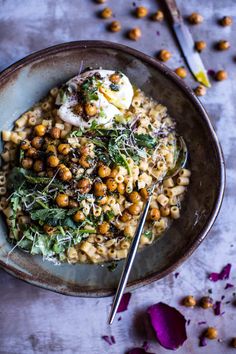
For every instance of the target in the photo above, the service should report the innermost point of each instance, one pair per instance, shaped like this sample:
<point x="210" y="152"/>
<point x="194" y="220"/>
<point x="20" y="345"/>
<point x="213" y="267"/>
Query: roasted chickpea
<point x="27" y="163"/>
<point x="55" y="133"/>
<point x="53" y="161"/>
<point x="79" y="216"/>
<point x="125" y="216"/>
<point x="62" y="200"/>
<point x="189" y="301"/>
<point x="158" y="16"/>
<point x="233" y="342"/>
<point x="104" y="171"/>
<point x="100" y="189"/>
<point x="221" y="75"/>
<point x="135" y="34"/>
<point x="121" y="188"/>
<point x="73" y="204"/>
<point x="52" y="149"/>
<point x="103" y="228"/>
<point x="40" y="130"/>
<point x="134" y="197"/>
<point x="37" y="142"/>
<point x="155" y="214"/>
<point x="195" y="18"/>
<point x="144" y="193"/>
<point x="65" y="174"/>
<point x="83" y="161"/>
<point x="206" y="302"/>
<point x="134" y="209"/>
<point x="90" y="109"/>
<point x="25" y="145"/>
<point x="78" y="109"/>
<point x="141" y="11"/>
<point x="111" y="184"/>
<point x="211" y="333"/>
<point x="200" y="90"/>
<point x="32" y="152"/>
<point x="114" y="173"/>
<point x="164" y="55"/>
<point x="181" y="72"/>
<point x="49" y="229"/>
<point x="106" y="13"/>
<point x="115" y="78"/>
<point x="223" y="45"/>
<point x="200" y="45"/>
<point x="115" y="26"/>
<point x="38" y="166"/>
<point x="84" y="185"/>
<point x="226" y="21"/>
<point x="64" y="149"/>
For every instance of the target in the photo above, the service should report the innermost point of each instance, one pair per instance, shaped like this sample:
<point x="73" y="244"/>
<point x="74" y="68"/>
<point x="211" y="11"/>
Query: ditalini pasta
<point x="78" y="166"/>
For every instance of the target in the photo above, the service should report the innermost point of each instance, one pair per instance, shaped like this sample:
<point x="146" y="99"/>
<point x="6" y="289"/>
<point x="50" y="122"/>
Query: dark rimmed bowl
<point x="27" y="81"/>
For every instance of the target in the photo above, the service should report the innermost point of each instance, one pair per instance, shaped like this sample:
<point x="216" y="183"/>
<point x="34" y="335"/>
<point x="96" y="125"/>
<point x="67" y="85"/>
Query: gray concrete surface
<point x="36" y="321"/>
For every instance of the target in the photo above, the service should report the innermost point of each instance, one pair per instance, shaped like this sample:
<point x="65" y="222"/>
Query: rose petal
<point x="109" y="339"/>
<point x="202" y="341"/>
<point x="176" y="275"/>
<point x="201" y="322"/>
<point x="228" y="285"/>
<point x="124" y="302"/>
<point x="169" y="325"/>
<point x="217" y="308"/>
<point x="138" y="351"/>
<point x="145" y="345"/>
<point x="224" y="274"/>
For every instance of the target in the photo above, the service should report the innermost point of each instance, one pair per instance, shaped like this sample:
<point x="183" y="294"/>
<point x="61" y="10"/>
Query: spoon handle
<point x="129" y="260"/>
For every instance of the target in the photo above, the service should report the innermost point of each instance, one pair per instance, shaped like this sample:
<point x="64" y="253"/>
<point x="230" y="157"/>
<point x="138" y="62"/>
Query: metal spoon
<point x="180" y="163"/>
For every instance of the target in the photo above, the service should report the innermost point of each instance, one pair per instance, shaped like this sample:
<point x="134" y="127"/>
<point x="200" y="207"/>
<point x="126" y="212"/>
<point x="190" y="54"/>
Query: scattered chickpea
<point x="135" y="34"/>
<point x="106" y="13"/>
<point x="65" y="174"/>
<point x="211" y="333"/>
<point x="164" y="55"/>
<point x="38" y="166"/>
<point x="233" y="342"/>
<point x="27" y="163"/>
<point x="104" y="171"/>
<point x="55" y="133"/>
<point x="111" y="184"/>
<point x="53" y="161"/>
<point x="141" y="11"/>
<point x="134" y="209"/>
<point x="115" y="78"/>
<point x="24" y="145"/>
<point x="195" y="18"/>
<point x="83" y="161"/>
<point x="32" y="152"/>
<point x="103" y="228"/>
<point x="189" y="301"/>
<point x="181" y="72"/>
<point x="200" y="45"/>
<point x="144" y="193"/>
<point x="226" y="21"/>
<point x="121" y="188"/>
<point x="79" y="216"/>
<point x="115" y="26"/>
<point x="40" y="130"/>
<point x="114" y="173"/>
<point x="158" y="16"/>
<point x="37" y="142"/>
<point x="155" y="214"/>
<point x="73" y="204"/>
<point x="100" y="189"/>
<point x="64" y="149"/>
<point x="90" y="109"/>
<point x="223" y="45"/>
<point x="84" y="185"/>
<point x="200" y="90"/>
<point x="62" y="200"/>
<point x="221" y="75"/>
<point x="134" y="197"/>
<point x="125" y="216"/>
<point x="206" y="302"/>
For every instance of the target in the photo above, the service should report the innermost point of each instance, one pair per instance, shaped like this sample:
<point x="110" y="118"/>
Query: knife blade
<point x="186" y="44"/>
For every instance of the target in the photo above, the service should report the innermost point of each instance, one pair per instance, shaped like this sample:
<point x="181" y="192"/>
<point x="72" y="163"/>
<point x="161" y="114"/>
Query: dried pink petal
<point x="224" y="274"/>
<point x="201" y="322"/>
<point x="138" y="351"/>
<point x="228" y="285"/>
<point x="145" y="345"/>
<point x="169" y="325"/>
<point x="217" y="308"/>
<point x="109" y="339"/>
<point x="124" y="302"/>
<point x="202" y="341"/>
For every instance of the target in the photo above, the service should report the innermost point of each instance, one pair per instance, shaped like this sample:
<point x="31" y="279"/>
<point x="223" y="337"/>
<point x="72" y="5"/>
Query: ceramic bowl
<point x="28" y="80"/>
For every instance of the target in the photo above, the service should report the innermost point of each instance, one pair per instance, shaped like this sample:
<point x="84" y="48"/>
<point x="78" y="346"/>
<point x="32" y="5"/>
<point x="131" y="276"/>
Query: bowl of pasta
<point x="87" y="129"/>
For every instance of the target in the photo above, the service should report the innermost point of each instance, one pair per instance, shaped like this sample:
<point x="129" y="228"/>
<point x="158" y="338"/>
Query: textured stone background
<point x="36" y="321"/>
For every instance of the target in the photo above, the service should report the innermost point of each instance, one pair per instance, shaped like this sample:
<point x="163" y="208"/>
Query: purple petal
<point x="124" y="302"/>
<point x="119" y="318"/>
<point x="224" y="274"/>
<point x="211" y="72"/>
<point x="201" y="322"/>
<point x="113" y="340"/>
<point x="202" y="341"/>
<point x="216" y="308"/>
<point x="158" y="33"/>
<point x="228" y="285"/>
<point x="169" y="325"/>
<point x="145" y="345"/>
<point x="176" y="275"/>
<point x="188" y="322"/>
<point x="107" y="339"/>
<point x="138" y="351"/>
